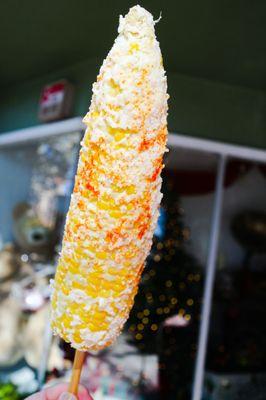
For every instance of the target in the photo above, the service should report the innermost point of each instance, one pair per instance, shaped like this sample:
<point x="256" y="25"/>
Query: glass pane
<point x="236" y="353"/>
<point x="36" y="182"/>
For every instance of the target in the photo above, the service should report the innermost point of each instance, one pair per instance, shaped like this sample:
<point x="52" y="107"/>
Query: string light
<point x="186" y="233"/>
<point x="145" y="277"/>
<point x="197" y="277"/>
<point x="139" y="336"/>
<point x="169" y="290"/>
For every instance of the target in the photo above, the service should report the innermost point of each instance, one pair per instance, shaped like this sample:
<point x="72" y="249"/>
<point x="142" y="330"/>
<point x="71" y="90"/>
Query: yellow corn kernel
<point x="91" y="248"/>
<point x="109" y="200"/>
<point x="119" y="136"/>
<point x="91" y="292"/>
<point x="75" y="307"/>
<point x="77" y="285"/>
<point x="129" y="254"/>
<point x="114" y="87"/>
<point x="83" y="325"/>
<point x="116" y="188"/>
<point x="72" y="269"/>
<point x="53" y="301"/>
<point x="112" y="271"/>
<point x="65" y="290"/>
<point x="131" y="189"/>
<point x="94" y="327"/>
<point x="123" y="273"/>
<point x="102" y="255"/>
<point x="75" y="220"/>
<point x="133" y="47"/>
<point x="100" y="315"/>
<point x="95" y="114"/>
<point x="115" y="214"/>
<point x="106" y="284"/>
<point x="66" y="321"/>
<point x="115" y="131"/>
<point x="103" y="205"/>
<point x="119" y="146"/>
<point x="118" y="287"/>
<point x="79" y="253"/>
<point x="68" y="261"/>
<point x="77" y="337"/>
<point x="127" y="264"/>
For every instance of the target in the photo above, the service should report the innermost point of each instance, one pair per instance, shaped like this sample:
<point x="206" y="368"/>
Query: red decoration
<point x="56" y="101"/>
<point x="199" y="182"/>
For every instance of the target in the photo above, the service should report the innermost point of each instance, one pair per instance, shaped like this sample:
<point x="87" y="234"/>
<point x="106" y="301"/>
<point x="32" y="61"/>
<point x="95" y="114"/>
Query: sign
<point x="56" y="101"/>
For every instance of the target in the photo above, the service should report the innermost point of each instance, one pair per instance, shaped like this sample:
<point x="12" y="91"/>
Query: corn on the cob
<point x="114" y="207"/>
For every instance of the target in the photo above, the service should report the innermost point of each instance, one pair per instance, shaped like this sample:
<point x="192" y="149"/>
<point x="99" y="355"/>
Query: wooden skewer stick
<point x="76" y="371"/>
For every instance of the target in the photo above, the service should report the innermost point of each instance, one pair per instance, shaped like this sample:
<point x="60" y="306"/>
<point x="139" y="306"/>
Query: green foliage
<point x="8" y="391"/>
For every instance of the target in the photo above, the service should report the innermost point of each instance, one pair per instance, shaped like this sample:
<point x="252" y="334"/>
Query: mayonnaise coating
<point x="114" y="206"/>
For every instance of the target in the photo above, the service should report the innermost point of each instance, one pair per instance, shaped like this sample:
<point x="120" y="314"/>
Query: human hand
<point x="59" y="392"/>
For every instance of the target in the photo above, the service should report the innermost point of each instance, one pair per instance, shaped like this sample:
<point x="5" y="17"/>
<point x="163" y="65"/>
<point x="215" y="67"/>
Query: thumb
<point x="67" y="396"/>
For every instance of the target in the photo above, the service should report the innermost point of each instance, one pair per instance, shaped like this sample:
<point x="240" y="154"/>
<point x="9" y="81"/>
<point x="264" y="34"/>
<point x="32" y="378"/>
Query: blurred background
<point x="197" y="329"/>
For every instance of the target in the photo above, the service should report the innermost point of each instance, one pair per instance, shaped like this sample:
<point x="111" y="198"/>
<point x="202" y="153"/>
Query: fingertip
<point x="83" y="394"/>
